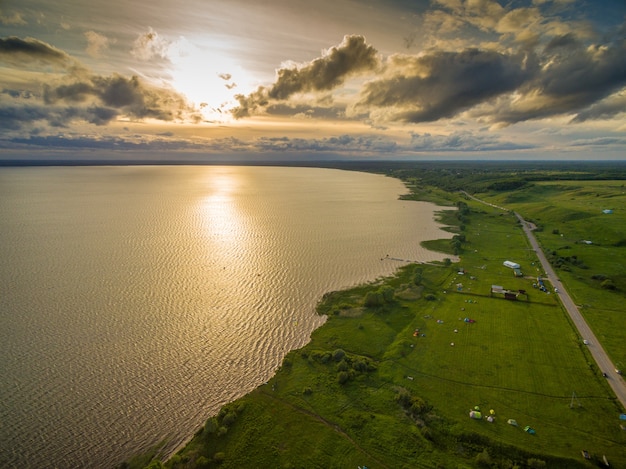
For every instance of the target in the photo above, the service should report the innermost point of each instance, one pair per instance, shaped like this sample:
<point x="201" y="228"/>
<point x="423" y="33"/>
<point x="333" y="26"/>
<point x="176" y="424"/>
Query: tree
<point x="373" y="299"/>
<point x="387" y="292"/>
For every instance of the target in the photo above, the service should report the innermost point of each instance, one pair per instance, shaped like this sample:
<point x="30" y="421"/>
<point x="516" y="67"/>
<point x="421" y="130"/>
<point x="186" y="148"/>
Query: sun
<point x="208" y="77"/>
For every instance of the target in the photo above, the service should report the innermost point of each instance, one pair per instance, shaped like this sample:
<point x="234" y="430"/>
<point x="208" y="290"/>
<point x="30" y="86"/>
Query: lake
<point x="136" y="300"/>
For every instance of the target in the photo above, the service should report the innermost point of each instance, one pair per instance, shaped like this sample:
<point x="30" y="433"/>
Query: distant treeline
<point x="483" y="176"/>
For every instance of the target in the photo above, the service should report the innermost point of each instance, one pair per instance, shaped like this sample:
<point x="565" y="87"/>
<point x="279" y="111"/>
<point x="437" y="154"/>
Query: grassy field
<point x="587" y="245"/>
<point x="390" y="379"/>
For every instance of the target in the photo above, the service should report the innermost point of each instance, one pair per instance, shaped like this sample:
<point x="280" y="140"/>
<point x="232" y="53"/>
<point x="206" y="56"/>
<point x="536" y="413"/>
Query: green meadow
<point x="582" y="228"/>
<point x="389" y="381"/>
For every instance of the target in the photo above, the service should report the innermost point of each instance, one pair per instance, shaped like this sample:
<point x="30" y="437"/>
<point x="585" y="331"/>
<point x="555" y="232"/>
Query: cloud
<point x="31" y="52"/>
<point x="74" y="93"/>
<point x="129" y="96"/>
<point x="442" y="84"/>
<point x="461" y="141"/>
<point x="605" y="109"/>
<point x="13" y="18"/>
<point x="483" y="14"/>
<point x="351" y="57"/>
<point x="149" y="46"/>
<point x="573" y="77"/>
<point x="96" y="44"/>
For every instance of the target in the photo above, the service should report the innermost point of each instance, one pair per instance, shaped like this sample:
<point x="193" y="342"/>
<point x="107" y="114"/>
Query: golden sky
<point x="296" y="79"/>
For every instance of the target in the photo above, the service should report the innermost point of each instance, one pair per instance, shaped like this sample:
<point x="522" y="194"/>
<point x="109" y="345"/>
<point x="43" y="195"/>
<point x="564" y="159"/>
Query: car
<point x="586" y="342"/>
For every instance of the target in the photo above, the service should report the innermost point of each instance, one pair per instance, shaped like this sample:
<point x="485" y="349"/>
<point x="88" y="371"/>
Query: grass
<point x="369" y="391"/>
<point x="568" y="214"/>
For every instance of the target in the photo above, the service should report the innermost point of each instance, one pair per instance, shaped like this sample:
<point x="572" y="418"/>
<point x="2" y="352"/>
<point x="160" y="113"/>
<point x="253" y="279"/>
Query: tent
<point x="529" y="430"/>
<point x="474" y="414"/>
<point x="512" y="422"/>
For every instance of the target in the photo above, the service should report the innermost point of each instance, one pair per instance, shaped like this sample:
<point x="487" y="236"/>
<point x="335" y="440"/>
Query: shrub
<point x="387" y="292"/>
<point x="343" y="366"/>
<point x="373" y="299"/>
<point x="483" y="459"/>
<point x="203" y="461"/>
<point x="343" y="377"/>
<point x="338" y="355"/>
<point x="229" y="419"/>
<point x="210" y="426"/>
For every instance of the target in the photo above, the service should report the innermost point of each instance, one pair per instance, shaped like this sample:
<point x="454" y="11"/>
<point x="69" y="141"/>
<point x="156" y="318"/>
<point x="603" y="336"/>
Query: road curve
<point x="614" y="379"/>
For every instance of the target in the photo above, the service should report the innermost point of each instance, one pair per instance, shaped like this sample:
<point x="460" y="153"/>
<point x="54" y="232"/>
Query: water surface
<point x="135" y="301"/>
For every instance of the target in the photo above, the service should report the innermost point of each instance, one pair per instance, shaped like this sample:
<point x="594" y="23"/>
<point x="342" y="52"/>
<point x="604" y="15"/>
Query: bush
<point x="343" y="377"/>
<point x="338" y="355"/>
<point x="229" y="419"/>
<point x="210" y="426"/>
<point x="387" y="292"/>
<point x="343" y="366"/>
<point x="203" y="461"/>
<point x="483" y="459"/>
<point x="373" y="299"/>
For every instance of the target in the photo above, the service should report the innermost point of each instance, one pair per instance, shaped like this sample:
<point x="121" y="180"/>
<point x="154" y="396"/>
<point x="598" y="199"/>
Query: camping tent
<point x="528" y="429"/>
<point x="474" y="414"/>
<point x="512" y="422"/>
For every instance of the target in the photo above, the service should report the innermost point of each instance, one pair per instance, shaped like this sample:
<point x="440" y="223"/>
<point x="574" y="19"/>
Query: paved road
<point x="598" y="353"/>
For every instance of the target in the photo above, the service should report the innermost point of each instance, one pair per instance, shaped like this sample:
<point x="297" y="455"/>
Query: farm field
<point x="391" y="378"/>
<point x="582" y="228"/>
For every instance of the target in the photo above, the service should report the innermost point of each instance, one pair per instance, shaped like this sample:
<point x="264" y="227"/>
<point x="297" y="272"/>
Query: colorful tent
<point x="474" y="414"/>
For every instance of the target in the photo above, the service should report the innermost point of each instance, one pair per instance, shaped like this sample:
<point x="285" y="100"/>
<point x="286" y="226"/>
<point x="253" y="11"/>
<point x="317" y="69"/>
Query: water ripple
<point x="136" y="301"/>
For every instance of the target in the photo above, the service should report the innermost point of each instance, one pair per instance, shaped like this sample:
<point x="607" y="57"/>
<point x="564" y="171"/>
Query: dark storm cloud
<point x="442" y="84"/>
<point x="603" y="110"/>
<point x="14" y="50"/>
<point x="351" y="57"/>
<point x="572" y="80"/>
<point x="130" y="96"/>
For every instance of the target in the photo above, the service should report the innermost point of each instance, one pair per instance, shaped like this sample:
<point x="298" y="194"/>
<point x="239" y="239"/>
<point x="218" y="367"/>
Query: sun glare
<point x="208" y="77"/>
<point x="219" y="213"/>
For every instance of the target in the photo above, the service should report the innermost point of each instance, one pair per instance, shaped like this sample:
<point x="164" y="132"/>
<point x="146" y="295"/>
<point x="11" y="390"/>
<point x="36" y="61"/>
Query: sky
<point x="298" y="79"/>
